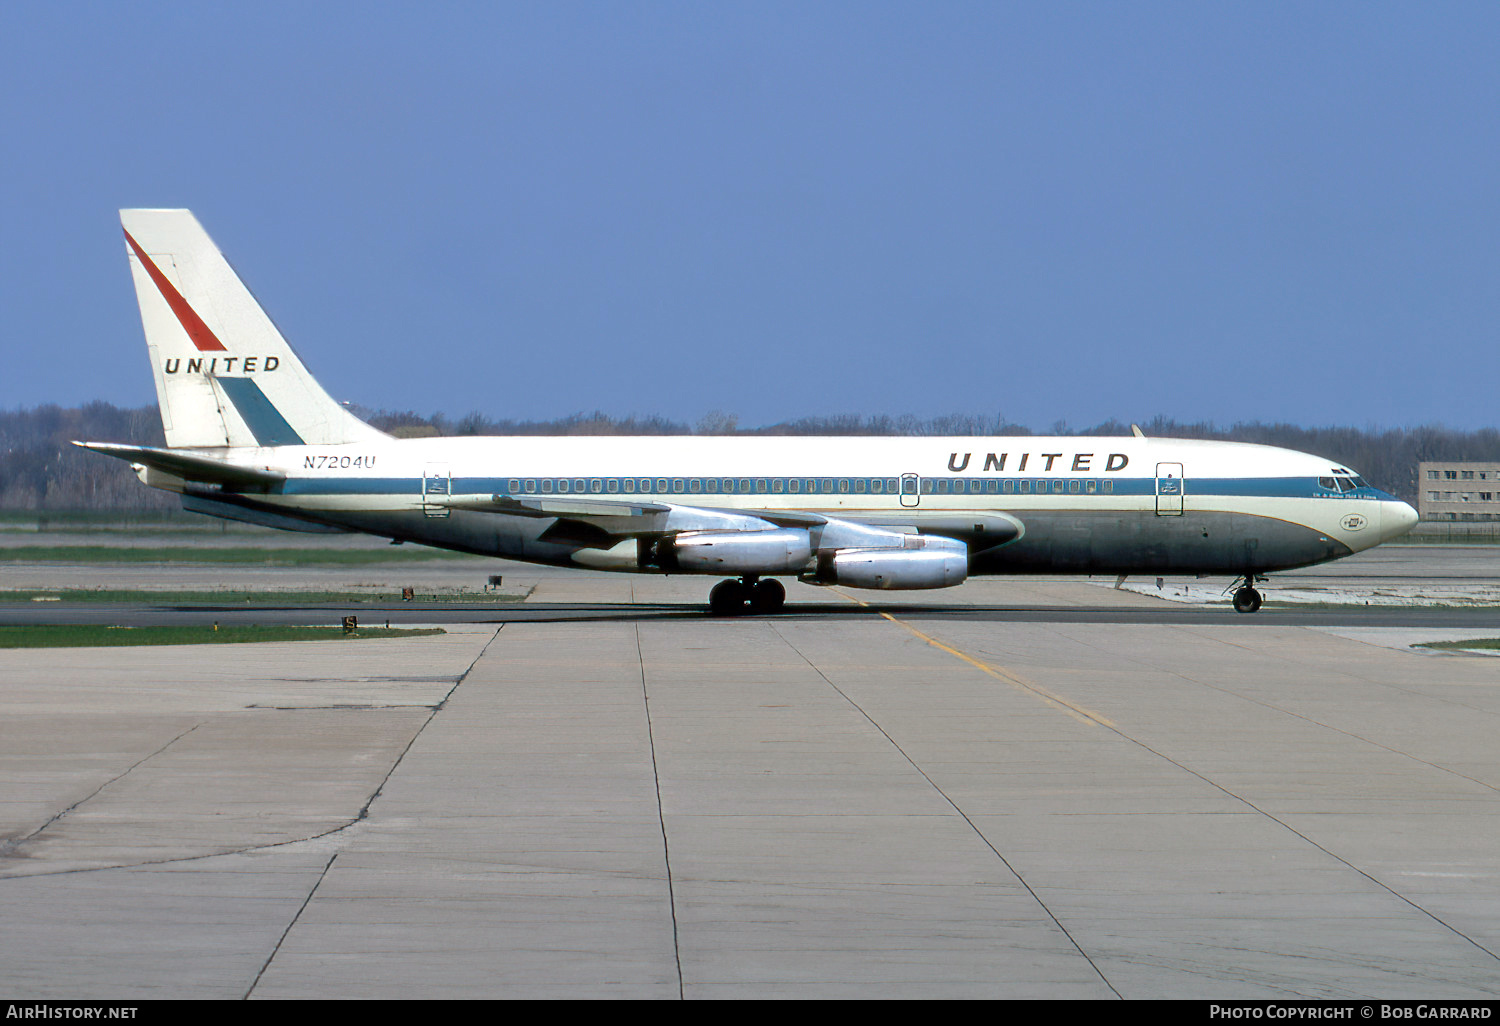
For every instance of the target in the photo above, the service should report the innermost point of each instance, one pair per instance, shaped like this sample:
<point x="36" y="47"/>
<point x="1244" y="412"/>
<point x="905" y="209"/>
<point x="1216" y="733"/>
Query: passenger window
<point x="596" y="486"/>
<point x="547" y="486"/>
<point x="876" y="486"/>
<point x="776" y="485"/>
<point x="515" y="486"/>
<point x="1093" y="486"/>
<point x="530" y="485"/>
<point x="859" y="486"/>
<point x="612" y="485"/>
<point x="562" y="486"/>
<point x="794" y="486"/>
<point x="843" y="486"/>
<point x="661" y="485"/>
<point x="1074" y="486"/>
<point x="1025" y="487"/>
<point x="1007" y="485"/>
<point x="827" y="488"/>
<point x="1109" y="486"/>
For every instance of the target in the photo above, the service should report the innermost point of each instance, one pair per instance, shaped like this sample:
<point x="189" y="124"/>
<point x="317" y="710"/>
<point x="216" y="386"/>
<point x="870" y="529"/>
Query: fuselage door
<point x="437" y="485"/>
<point x="1169" y="489"/>
<point x="911" y="490"/>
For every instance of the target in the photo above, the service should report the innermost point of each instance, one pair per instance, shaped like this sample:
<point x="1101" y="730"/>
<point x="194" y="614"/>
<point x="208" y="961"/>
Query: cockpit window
<point x="1360" y="482"/>
<point x="1346" y="484"/>
<point x="1326" y="482"/>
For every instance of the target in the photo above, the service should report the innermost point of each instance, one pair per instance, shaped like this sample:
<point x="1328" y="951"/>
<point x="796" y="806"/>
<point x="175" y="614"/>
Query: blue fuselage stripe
<point x="947" y="487"/>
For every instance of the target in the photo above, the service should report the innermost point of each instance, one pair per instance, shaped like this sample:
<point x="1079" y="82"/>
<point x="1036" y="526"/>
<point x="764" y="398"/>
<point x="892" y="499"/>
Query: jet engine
<point x="930" y="563"/>
<point x="781" y="551"/>
<point x="895" y="569"/>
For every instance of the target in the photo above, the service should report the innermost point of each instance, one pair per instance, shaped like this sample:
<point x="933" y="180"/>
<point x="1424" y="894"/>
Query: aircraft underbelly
<point x="1194" y="542"/>
<point x="1055" y="542"/>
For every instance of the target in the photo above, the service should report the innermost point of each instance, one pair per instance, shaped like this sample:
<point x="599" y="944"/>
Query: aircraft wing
<point x="189" y="466"/>
<point x="616" y="520"/>
<point x="610" y="520"/>
<point x="556" y="506"/>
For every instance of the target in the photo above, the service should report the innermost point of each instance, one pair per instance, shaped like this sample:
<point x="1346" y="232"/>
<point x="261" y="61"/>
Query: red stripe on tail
<point x="202" y="336"/>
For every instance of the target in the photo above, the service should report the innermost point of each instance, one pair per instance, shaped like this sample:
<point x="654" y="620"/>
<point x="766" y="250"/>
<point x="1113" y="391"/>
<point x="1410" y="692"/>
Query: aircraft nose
<point x="1396" y="518"/>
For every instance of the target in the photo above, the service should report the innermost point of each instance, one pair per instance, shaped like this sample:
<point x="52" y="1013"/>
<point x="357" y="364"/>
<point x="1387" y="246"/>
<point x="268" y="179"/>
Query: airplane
<point x="251" y="436"/>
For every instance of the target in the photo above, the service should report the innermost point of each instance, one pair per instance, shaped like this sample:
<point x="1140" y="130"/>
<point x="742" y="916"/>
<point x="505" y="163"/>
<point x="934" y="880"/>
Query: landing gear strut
<point x="1246" y="598"/>
<point x="728" y="598"/>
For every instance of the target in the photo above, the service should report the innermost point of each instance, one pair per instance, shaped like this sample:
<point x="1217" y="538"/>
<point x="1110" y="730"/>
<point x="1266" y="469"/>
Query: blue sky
<point x="1050" y="211"/>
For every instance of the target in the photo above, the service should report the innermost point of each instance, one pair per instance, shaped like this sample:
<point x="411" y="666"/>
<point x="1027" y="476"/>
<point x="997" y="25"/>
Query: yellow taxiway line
<point x="1054" y="700"/>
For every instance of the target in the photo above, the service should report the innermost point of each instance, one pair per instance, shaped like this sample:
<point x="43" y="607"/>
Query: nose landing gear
<point x="729" y="598"/>
<point x="1246" y="598"/>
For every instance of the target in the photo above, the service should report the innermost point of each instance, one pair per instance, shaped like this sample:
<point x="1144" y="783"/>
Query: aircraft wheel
<point x="767" y="596"/>
<point x="727" y="598"/>
<point x="1246" y="600"/>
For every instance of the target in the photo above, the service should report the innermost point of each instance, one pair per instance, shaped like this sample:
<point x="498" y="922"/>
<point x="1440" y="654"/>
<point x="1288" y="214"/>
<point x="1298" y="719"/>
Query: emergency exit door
<point x="911" y="490"/>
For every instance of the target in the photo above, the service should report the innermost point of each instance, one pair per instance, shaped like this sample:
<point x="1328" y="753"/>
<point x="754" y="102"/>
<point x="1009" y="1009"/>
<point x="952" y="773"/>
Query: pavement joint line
<point x="1101" y="721"/>
<point x="10" y="846"/>
<point x="1366" y="874"/>
<point x="955" y="807"/>
<point x="1052" y="699"/>
<point x="365" y="810"/>
<point x="661" y="817"/>
<point x="284" y="933"/>
<point x="1328" y="726"/>
<point x="321" y="835"/>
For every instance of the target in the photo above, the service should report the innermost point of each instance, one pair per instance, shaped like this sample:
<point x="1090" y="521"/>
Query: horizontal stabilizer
<point x="188" y="466"/>
<point x="248" y="514"/>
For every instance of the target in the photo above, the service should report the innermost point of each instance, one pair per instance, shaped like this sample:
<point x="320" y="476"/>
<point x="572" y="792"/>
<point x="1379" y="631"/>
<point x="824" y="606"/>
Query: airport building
<point x="1458" y="491"/>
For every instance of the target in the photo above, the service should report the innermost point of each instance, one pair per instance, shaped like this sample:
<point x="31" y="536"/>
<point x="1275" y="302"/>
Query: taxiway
<point x="863" y="800"/>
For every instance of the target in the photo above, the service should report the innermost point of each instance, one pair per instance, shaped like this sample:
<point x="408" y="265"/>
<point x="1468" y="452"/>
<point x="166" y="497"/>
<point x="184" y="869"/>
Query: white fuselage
<point x="1303" y="508"/>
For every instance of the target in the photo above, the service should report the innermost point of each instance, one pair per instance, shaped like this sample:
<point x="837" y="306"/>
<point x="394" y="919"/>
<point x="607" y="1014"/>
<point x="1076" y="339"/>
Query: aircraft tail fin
<point x="224" y="374"/>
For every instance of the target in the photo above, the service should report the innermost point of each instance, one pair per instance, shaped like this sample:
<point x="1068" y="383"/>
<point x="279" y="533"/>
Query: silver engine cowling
<point x="782" y="551"/>
<point x="895" y="570"/>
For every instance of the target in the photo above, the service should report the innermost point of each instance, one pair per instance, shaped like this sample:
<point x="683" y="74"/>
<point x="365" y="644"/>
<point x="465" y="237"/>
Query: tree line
<point x="39" y="470"/>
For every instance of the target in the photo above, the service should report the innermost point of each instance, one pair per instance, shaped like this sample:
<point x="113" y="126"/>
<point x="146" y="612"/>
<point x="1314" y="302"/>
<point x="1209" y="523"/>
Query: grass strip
<point x="102" y="636"/>
<point x="100" y="596"/>
<point x="245" y="555"/>
<point x="1452" y="646"/>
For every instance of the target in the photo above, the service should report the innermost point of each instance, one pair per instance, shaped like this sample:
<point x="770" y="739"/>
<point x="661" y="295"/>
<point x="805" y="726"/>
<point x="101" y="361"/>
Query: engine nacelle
<point x="782" y="551"/>
<point x="895" y="569"/>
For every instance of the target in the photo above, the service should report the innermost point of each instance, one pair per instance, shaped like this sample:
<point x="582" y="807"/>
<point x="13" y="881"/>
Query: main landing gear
<point x="1246" y="598"/>
<point x="729" y="598"/>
